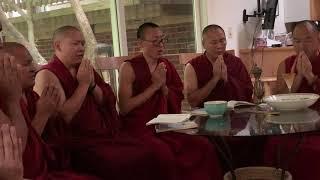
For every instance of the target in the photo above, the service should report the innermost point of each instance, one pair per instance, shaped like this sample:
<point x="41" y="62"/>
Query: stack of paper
<point x="172" y="122"/>
<point x="169" y="119"/>
<point x="232" y="104"/>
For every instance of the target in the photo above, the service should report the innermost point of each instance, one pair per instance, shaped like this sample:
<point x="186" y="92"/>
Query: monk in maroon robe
<point x="306" y="66"/>
<point x="89" y="123"/>
<point x="149" y="86"/>
<point x="38" y="160"/>
<point x="216" y="75"/>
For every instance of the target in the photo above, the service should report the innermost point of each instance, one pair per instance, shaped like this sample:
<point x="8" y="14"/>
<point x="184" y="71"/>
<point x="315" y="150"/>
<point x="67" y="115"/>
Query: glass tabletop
<point x="250" y="122"/>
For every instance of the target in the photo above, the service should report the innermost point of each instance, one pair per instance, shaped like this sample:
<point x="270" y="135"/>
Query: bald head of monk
<point x="306" y="38"/>
<point x="26" y="66"/>
<point x="69" y="45"/>
<point x="151" y="40"/>
<point x="214" y="40"/>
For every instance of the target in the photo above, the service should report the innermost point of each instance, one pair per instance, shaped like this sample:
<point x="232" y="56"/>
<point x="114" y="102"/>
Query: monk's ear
<point x="139" y="43"/>
<point x="203" y="43"/>
<point x="56" y="45"/>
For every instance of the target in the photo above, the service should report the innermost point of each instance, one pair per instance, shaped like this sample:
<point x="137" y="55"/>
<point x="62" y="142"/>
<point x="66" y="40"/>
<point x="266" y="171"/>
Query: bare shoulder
<point x="126" y="71"/>
<point x="189" y="69"/>
<point x="46" y="76"/>
<point x="126" y="66"/>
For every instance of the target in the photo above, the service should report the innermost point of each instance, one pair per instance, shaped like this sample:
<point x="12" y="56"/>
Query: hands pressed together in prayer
<point x="11" y="164"/>
<point x="220" y="69"/>
<point x="85" y="74"/>
<point x="159" y="76"/>
<point x="10" y="86"/>
<point x="303" y="67"/>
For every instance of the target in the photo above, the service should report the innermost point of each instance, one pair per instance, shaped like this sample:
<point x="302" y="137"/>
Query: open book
<point x="232" y="104"/>
<point x="169" y="119"/>
<point x="172" y="122"/>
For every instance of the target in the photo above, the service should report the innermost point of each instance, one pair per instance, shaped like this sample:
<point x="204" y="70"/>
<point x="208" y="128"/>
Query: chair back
<point x="184" y="58"/>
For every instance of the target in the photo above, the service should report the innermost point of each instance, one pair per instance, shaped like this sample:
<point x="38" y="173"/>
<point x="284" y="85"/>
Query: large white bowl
<point x="291" y="102"/>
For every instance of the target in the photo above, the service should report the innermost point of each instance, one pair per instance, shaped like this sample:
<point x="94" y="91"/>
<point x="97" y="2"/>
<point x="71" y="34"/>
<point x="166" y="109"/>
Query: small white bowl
<point x="291" y="102"/>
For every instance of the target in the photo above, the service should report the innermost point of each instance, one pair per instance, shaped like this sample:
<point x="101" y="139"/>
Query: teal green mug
<point x="219" y="123"/>
<point x="215" y="107"/>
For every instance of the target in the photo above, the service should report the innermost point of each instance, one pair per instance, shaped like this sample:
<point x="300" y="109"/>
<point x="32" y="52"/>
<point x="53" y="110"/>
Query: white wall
<point x="228" y="14"/>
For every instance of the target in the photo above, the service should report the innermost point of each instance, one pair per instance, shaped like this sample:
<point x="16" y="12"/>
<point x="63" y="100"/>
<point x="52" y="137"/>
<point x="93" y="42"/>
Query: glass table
<point x="249" y="122"/>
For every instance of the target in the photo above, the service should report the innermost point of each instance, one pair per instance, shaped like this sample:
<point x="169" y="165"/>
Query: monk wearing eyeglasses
<point x="149" y="86"/>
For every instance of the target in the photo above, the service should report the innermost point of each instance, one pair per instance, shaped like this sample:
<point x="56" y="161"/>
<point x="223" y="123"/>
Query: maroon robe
<point x="93" y="136"/>
<point x="238" y="87"/>
<point x="246" y="152"/>
<point x="39" y="161"/>
<point x="304" y="164"/>
<point x="192" y="157"/>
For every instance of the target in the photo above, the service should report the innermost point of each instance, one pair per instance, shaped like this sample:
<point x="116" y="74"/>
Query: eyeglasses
<point x="221" y="41"/>
<point x="158" y="42"/>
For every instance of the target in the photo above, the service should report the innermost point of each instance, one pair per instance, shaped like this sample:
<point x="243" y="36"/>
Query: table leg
<point x="226" y="155"/>
<point x="290" y="156"/>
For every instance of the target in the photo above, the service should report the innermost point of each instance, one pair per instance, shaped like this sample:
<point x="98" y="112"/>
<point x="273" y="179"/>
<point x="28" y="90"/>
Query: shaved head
<point x="64" y="31"/>
<point x="310" y="26"/>
<point x="10" y="47"/>
<point x="143" y="28"/>
<point x="69" y="45"/>
<point x="211" y="27"/>
<point x="26" y="67"/>
<point x="214" y="41"/>
<point x="14" y="49"/>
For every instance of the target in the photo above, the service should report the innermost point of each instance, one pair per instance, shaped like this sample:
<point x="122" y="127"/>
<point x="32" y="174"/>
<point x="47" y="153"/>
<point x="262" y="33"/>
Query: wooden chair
<point x="184" y="58"/>
<point x="108" y="68"/>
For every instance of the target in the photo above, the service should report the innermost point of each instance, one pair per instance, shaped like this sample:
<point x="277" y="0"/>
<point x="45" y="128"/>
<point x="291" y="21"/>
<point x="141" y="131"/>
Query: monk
<point x="216" y="75"/>
<point x="149" y="86"/>
<point x="306" y="67"/>
<point x="40" y="162"/>
<point x="304" y="64"/>
<point x="89" y="124"/>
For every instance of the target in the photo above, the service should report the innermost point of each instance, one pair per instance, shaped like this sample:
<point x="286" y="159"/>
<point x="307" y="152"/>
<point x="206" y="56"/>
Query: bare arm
<point x="46" y="106"/>
<point x="195" y="95"/>
<point x="69" y="107"/>
<point x="126" y="101"/>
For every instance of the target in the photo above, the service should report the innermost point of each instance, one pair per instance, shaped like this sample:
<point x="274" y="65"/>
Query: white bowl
<point x="291" y="102"/>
